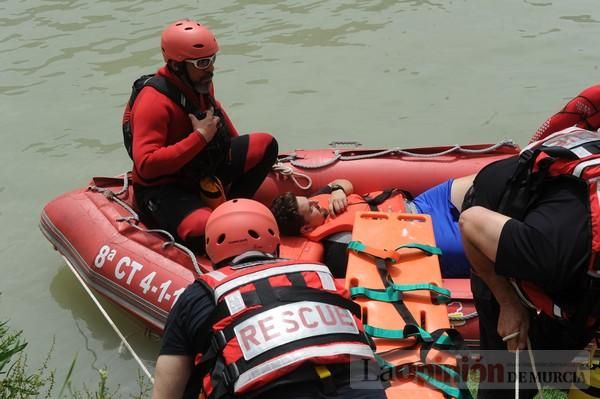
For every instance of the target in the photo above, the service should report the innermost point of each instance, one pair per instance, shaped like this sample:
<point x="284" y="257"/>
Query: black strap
<point x="297" y="279"/>
<point x="167" y="88"/>
<point x="455" y="344"/>
<point x="400" y="306"/>
<point x="221" y="382"/>
<point x="517" y="196"/>
<point x="380" y="198"/>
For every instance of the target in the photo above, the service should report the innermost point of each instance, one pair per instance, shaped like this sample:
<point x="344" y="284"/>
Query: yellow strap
<point x="323" y="372"/>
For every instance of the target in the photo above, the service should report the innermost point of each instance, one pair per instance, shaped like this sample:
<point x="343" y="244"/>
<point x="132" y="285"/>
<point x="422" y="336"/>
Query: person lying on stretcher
<point x="328" y="216"/>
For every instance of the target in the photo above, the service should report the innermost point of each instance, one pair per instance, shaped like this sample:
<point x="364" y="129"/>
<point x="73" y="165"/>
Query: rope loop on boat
<point x="337" y="155"/>
<point x="170" y="242"/>
<point x="187" y="251"/>
<point x="458" y="314"/>
<point x="133" y="219"/>
<point x="285" y="170"/>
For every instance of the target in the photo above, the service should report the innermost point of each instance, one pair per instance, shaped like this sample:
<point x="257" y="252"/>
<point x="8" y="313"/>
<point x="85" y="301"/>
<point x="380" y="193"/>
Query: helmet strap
<point x="179" y="70"/>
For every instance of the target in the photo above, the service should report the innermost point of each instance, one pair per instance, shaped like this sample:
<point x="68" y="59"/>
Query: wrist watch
<point x="335" y="187"/>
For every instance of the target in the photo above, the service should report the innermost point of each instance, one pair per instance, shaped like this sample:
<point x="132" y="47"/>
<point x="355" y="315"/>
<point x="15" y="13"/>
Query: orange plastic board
<point x="388" y="231"/>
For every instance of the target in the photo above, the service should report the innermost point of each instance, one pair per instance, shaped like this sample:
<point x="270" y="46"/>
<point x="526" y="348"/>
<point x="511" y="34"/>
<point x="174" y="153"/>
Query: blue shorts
<point x="436" y="202"/>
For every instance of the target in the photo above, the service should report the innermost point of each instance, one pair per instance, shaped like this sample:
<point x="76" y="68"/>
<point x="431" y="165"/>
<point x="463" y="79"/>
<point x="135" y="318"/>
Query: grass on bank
<point x="17" y="381"/>
<point x="548" y="393"/>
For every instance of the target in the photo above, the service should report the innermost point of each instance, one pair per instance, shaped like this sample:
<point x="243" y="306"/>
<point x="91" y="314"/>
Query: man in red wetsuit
<point x="173" y="148"/>
<point x="582" y="111"/>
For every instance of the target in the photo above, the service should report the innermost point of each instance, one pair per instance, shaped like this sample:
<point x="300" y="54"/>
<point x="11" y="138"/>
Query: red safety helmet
<point x="187" y="39"/>
<point x="238" y="226"/>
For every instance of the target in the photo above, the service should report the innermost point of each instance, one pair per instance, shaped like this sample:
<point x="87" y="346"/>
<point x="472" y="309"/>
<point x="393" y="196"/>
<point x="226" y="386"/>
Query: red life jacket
<point x="271" y="317"/>
<point x="391" y="201"/>
<point x="571" y="152"/>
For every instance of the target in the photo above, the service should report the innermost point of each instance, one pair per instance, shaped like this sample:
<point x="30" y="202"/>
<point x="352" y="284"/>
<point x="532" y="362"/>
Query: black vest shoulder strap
<point x="165" y="87"/>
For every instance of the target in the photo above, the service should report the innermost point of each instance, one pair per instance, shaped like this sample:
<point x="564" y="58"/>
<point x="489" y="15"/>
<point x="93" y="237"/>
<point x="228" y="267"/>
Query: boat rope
<point x="517" y="374"/>
<point x="112" y="196"/>
<point x="111" y="322"/>
<point x="458" y="314"/>
<point x="285" y="170"/>
<point x="338" y="156"/>
<point x="533" y="369"/>
<point x="170" y="242"/>
<point x="134" y="219"/>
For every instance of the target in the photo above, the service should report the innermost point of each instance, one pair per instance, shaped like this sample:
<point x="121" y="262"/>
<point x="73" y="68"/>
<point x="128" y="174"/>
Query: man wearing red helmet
<point x="258" y="325"/>
<point x="178" y="134"/>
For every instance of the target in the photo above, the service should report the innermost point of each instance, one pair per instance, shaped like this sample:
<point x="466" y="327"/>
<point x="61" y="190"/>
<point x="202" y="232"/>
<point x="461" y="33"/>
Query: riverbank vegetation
<point x="19" y="381"/>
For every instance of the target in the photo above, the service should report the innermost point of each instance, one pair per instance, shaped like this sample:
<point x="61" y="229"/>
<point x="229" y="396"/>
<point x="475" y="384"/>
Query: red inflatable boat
<point x="97" y="230"/>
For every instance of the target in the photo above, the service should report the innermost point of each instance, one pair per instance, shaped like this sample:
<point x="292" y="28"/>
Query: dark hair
<point x="285" y="209"/>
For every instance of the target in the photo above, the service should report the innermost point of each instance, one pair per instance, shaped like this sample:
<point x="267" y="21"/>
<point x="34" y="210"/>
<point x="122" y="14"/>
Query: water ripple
<point x="581" y="18"/>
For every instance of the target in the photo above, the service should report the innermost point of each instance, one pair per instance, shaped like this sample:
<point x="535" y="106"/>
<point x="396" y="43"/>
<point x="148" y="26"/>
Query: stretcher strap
<point x="428" y="249"/>
<point x="391" y="256"/>
<point x="386" y="295"/>
<point x="410" y="330"/>
<point x="458" y="390"/>
<point x="359" y="247"/>
<point x="393" y="292"/>
<point x="399" y="305"/>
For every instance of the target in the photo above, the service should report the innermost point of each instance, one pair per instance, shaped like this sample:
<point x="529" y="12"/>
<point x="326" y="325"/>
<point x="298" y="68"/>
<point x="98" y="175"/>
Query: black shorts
<point x="550" y="246"/>
<point x="167" y="205"/>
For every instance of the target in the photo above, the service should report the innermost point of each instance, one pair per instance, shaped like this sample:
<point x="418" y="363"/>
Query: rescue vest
<point x="215" y="152"/>
<point x="385" y="201"/>
<point x="271" y="317"/>
<point x="573" y="152"/>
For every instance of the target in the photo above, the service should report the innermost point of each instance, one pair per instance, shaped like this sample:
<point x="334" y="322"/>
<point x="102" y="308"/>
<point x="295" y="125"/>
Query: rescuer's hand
<point x="206" y="127"/>
<point x="513" y="318"/>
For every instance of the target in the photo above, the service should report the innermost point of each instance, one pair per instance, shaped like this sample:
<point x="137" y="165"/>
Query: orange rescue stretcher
<point x="394" y="274"/>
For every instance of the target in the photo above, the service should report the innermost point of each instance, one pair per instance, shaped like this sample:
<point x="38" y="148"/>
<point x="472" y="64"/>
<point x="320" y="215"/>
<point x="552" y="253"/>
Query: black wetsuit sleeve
<point x="186" y="330"/>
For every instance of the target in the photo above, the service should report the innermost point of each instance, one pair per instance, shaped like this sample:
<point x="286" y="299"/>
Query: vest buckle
<point x="230" y="374"/>
<point x="326" y="379"/>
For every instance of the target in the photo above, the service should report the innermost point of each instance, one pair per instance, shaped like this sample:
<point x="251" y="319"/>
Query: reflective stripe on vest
<point x="324" y="275"/>
<point x="247" y="378"/>
<point x="283" y="325"/>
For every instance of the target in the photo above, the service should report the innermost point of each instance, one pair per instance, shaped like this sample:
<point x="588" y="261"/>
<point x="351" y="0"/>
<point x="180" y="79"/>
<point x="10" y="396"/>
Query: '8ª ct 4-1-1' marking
<point x="126" y="267"/>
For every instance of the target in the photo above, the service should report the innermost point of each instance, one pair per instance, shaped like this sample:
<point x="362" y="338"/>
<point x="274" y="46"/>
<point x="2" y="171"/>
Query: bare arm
<point x="481" y="229"/>
<point x="171" y="376"/>
<point x="338" y="202"/>
<point x="346" y="185"/>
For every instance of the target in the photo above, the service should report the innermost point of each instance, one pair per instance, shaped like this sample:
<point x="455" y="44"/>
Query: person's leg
<point x="437" y="203"/>
<point x="176" y="210"/>
<point x="252" y="156"/>
<point x="459" y="189"/>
